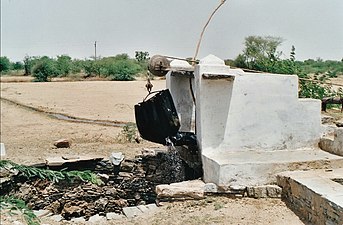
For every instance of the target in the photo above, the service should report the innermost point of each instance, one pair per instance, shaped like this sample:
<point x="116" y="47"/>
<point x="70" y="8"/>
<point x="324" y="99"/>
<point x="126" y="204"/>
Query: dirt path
<point x="29" y="135"/>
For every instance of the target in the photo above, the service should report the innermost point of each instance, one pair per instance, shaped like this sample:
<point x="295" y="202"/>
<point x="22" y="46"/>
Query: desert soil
<point x="29" y="136"/>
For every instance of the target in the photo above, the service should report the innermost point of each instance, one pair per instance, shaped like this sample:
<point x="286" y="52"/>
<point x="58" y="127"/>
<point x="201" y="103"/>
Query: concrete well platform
<point x="256" y="168"/>
<point x="316" y="196"/>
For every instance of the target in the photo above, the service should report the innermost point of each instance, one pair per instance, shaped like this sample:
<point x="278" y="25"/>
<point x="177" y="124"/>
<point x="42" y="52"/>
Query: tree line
<point x="119" y="67"/>
<point x="259" y="54"/>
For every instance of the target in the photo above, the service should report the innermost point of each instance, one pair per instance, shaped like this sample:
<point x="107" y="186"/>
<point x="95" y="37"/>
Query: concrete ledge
<point x="314" y="195"/>
<point x="258" y="168"/>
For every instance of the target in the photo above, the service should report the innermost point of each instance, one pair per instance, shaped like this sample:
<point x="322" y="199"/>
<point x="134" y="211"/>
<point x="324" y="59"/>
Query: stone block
<point x="335" y="145"/>
<point x="114" y="216"/>
<point x="131" y="212"/>
<point x="57" y="218"/>
<point x="274" y="191"/>
<point x="96" y="219"/>
<point x="147" y="208"/>
<point x="78" y="220"/>
<point x="143" y="208"/>
<point x="152" y="207"/>
<point x="188" y="189"/>
<point x="258" y="168"/>
<point x="265" y="191"/>
<point x="257" y="192"/>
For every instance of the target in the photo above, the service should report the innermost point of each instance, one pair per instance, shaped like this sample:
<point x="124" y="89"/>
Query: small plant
<point x="218" y="205"/>
<point x="54" y="176"/>
<point x="128" y="133"/>
<point x="14" y="205"/>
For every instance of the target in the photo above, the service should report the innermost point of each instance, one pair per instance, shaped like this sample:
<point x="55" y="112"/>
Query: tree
<point x="29" y="63"/>
<point x="141" y="56"/>
<point x="91" y="68"/>
<point x="44" y="69"/>
<point x="64" y="65"/>
<point x="123" y="70"/>
<point x="260" y="52"/>
<point x="17" y="66"/>
<point x="292" y="54"/>
<point x="5" y="64"/>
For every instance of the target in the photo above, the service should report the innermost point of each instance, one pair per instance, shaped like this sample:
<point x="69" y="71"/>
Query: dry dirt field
<point x="29" y="135"/>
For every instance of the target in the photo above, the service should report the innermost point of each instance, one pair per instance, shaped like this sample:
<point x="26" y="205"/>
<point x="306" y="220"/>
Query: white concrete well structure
<point x="249" y="126"/>
<point x="178" y="82"/>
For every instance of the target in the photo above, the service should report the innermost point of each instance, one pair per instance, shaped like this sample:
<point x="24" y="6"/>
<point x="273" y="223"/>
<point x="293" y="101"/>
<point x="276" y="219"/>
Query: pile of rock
<point x="128" y="185"/>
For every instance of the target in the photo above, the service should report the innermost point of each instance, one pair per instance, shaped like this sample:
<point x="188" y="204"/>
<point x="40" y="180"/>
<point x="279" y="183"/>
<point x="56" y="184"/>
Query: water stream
<point x="81" y="120"/>
<point x="60" y="116"/>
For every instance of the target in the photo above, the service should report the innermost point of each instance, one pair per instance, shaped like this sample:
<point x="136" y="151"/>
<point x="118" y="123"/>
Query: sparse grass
<point x="14" y="205"/>
<point x="218" y="205"/>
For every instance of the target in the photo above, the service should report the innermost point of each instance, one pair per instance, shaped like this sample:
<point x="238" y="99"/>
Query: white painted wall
<point x="180" y="90"/>
<point x="253" y="111"/>
<point x="248" y="125"/>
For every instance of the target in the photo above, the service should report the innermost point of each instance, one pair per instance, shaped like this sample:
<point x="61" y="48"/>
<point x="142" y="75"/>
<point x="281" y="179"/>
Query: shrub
<point x="17" y="66"/>
<point x="63" y="65"/>
<point x="128" y="133"/>
<point x="123" y="70"/>
<point x="91" y="67"/>
<point x="44" y="70"/>
<point x="5" y="64"/>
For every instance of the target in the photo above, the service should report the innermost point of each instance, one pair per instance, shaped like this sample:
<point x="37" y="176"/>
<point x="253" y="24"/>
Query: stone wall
<point x="315" y="199"/>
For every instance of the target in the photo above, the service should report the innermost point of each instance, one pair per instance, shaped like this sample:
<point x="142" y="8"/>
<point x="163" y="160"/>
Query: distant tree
<point x="77" y="66"/>
<point x="29" y="63"/>
<point x="91" y="68"/>
<point x="64" y="65"/>
<point x="5" y="64"/>
<point x="122" y="56"/>
<point x="44" y="69"/>
<point x="292" y="54"/>
<point x="260" y="52"/>
<point x="17" y="66"/>
<point x="141" y="56"/>
<point x="124" y="70"/>
<point x="240" y="61"/>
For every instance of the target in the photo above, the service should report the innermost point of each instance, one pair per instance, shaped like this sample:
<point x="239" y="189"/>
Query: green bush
<point x="5" y="64"/>
<point x="63" y="65"/>
<point x="44" y="69"/>
<point x="29" y="64"/>
<point x="124" y="70"/>
<point x="17" y="66"/>
<point x="91" y="68"/>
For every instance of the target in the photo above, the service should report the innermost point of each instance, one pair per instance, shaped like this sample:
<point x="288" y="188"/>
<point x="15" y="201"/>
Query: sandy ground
<point x="29" y="135"/>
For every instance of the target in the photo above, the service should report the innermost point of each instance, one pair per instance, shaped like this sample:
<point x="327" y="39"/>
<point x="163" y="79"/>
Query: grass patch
<point x="14" y="205"/>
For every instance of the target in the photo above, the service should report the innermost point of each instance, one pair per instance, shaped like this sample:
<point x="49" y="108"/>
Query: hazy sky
<point x="55" y="27"/>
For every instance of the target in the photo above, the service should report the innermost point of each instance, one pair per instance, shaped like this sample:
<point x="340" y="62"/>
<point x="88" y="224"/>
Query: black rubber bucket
<point x="156" y="117"/>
